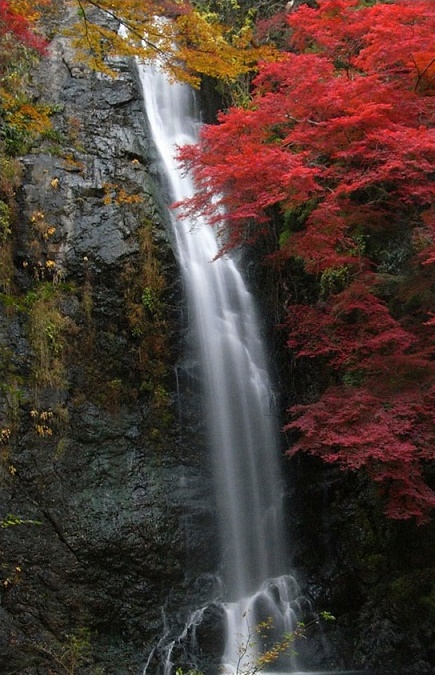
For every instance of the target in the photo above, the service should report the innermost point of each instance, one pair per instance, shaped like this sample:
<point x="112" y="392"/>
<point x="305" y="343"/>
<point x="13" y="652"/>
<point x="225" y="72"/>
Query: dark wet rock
<point x="108" y="491"/>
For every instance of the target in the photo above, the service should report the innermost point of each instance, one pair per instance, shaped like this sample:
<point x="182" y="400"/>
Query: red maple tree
<point x="339" y="140"/>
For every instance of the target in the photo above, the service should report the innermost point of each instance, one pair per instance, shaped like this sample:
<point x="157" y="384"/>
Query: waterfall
<point x="238" y="395"/>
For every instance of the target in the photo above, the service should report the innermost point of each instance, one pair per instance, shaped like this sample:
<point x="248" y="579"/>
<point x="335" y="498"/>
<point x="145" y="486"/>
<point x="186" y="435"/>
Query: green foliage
<point x="294" y="218"/>
<point x="144" y="288"/>
<point x="13" y="520"/>
<point x="427" y="601"/>
<point x="148" y="299"/>
<point x="10" y="175"/>
<point x="73" y="655"/>
<point x="354" y="378"/>
<point x="326" y="616"/>
<point x="5" y="221"/>
<point x="334" y="280"/>
<point x="6" y="253"/>
<point x="47" y="334"/>
<point x="270" y="650"/>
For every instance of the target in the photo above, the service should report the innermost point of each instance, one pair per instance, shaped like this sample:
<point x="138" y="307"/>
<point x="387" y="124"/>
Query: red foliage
<point x="17" y="25"/>
<point x="352" y="329"/>
<point x="389" y="436"/>
<point x="340" y="129"/>
<point x="384" y="38"/>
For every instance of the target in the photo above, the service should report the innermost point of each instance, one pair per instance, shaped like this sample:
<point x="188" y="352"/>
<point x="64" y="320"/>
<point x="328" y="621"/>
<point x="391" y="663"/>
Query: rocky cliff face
<point x="373" y="574"/>
<point x="106" y="514"/>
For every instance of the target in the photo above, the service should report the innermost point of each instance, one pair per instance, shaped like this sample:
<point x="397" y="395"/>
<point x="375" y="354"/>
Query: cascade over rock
<point x="242" y="428"/>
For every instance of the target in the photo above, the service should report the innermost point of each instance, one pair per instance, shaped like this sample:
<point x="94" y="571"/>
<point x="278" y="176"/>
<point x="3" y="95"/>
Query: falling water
<point x="238" y="394"/>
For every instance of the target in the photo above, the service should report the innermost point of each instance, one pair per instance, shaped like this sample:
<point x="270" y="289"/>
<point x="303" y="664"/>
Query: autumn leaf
<point x="187" y="42"/>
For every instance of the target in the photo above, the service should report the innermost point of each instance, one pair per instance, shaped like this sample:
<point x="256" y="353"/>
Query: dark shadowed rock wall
<point x="374" y="574"/>
<point x="106" y="508"/>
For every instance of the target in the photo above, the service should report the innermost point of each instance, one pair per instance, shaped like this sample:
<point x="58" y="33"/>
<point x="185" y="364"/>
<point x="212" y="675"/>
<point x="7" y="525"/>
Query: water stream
<point x="238" y="398"/>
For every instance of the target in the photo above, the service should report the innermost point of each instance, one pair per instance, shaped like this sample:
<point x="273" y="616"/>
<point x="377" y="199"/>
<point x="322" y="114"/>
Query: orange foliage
<point x="186" y="41"/>
<point x="425" y="64"/>
<point x="29" y="9"/>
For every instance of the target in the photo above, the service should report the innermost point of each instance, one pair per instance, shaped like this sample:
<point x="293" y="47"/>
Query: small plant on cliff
<point x="13" y="520"/>
<point x="47" y="335"/>
<point x="145" y="286"/>
<point x="268" y="652"/>
<point x="73" y="656"/>
<point x="6" y="255"/>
